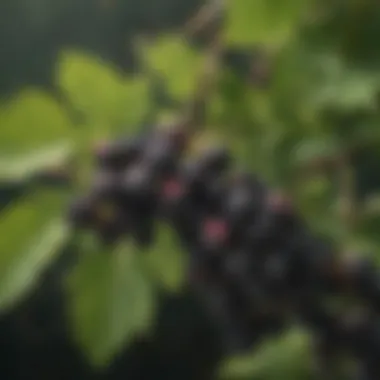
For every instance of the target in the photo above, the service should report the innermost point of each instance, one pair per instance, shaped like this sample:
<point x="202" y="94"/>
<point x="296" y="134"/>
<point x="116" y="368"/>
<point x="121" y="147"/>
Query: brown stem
<point x="208" y="14"/>
<point x="194" y="115"/>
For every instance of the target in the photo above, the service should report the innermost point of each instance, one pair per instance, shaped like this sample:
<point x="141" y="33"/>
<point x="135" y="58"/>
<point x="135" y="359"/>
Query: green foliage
<point x="21" y="167"/>
<point x="274" y="22"/>
<point x="33" y="119"/>
<point x="107" y="100"/>
<point x="321" y="105"/>
<point x="32" y="234"/>
<point x="286" y="357"/>
<point x="165" y="261"/>
<point x="173" y="60"/>
<point x="111" y="300"/>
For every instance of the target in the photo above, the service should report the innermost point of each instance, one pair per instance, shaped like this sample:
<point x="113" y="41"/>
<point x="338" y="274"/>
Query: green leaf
<point x="286" y="357"/>
<point x="29" y="239"/>
<point x="106" y="98"/>
<point x="316" y="199"/>
<point x="166" y="260"/>
<point x="31" y="120"/>
<point x="348" y="90"/>
<point x="176" y="62"/>
<point x="251" y="22"/>
<point x="21" y="167"/>
<point x="23" y="272"/>
<point x="309" y="150"/>
<point x="111" y="301"/>
<point x="368" y="223"/>
<point x="321" y="80"/>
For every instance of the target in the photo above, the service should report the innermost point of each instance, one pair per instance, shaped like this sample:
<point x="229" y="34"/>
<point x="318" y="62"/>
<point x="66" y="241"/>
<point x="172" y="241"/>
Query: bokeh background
<point x="291" y="85"/>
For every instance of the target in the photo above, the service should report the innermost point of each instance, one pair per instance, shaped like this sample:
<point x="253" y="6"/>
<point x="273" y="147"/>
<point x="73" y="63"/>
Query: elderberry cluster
<point x="253" y="260"/>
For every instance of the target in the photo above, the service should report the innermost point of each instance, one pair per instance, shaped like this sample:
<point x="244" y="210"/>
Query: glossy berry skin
<point x="117" y="155"/>
<point x="82" y="213"/>
<point x="137" y="182"/>
<point x="106" y="185"/>
<point x="211" y="164"/>
<point x="243" y="204"/>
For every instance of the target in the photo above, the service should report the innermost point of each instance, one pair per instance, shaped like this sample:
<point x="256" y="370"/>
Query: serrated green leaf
<point x="21" y="167"/>
<point x="176" y="62"/>
<point x="106" y="98"/>
<point x="23" y="272"/>
<point x="256" y="22"/>
<point x="31" y="120"/>
<point x="111" y="301"/>
<point x="166" y="260"/>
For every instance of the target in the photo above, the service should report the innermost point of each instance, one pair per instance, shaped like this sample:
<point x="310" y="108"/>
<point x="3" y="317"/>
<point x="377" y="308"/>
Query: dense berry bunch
<point x="252" y="259"/>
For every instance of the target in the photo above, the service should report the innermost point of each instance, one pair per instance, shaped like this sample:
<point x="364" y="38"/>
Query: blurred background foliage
<point x="295" y="93"/>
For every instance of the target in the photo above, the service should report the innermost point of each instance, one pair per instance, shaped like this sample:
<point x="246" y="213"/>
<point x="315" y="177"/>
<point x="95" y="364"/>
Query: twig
<point x="208" y="14"/>
<point x="194" y="114"/>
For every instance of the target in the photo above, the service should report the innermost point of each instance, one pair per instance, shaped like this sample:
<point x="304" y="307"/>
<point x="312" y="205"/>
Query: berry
<point x="117" y="155"/>
<point x="82" y="213"/>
